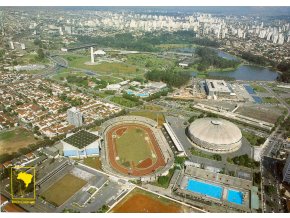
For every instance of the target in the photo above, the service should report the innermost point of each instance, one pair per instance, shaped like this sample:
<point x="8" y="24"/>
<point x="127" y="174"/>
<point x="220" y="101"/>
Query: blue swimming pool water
<point x="143" y="95"/>
<point x="235" y="197"/>
<point x="138" y="94"/>
<point x="257" y="99"/>
<point x="249" y="89"/>
<point x="203" y="188"/>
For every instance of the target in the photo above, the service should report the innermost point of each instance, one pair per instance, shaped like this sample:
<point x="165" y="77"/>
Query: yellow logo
<point x="23" y="185"/>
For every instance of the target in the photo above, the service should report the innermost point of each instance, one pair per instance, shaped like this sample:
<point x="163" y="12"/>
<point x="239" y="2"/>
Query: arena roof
<point x="81" y="139"/>
<point x="215" y="131"/>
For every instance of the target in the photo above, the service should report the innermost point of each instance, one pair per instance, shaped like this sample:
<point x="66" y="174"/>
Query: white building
<point x="74" y="117"/>
<point x="113" y="87"/>
<point x="215" y="88"/>
<point x="286" y="170"/>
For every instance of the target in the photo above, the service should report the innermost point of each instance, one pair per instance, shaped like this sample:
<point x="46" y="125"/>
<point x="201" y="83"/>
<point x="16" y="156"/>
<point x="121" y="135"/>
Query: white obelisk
<point x="92" y="55"/>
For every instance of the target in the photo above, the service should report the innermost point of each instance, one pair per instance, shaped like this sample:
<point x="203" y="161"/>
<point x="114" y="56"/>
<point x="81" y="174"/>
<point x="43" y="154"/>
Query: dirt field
<point x="93" y="162"/>
<point x="139" y="201"/>
<point x="11" y="141"/>
<point x="63" y="189"/>
<point x="259" y="113"/>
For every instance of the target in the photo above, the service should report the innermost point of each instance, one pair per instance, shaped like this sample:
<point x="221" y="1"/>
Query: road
<point x="265" y="168"/>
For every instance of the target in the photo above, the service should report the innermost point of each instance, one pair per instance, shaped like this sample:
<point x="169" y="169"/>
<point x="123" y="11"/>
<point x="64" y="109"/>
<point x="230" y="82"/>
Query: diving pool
<point x="235" y="197"/>
<point x="204" y="188"/>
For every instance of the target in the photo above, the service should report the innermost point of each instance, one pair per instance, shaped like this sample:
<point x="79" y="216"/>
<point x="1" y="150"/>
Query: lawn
<point x="149" y="61"/>
<point x="287" y="100"/>
<point x="132" y="146"/>
<point x="106" y="67"/>
<point x="123" y="101"/>
<point x="270" y="100"/>
<point x="157" y="116"/>
<point x="63" y="189"/>
<point x="93" y="162"/>
<point x="258" y="88"/>
<point x="139" y="201"/>
<point x="11" y="141"/>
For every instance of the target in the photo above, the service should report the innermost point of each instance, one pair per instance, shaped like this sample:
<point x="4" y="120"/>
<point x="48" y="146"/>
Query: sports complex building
<point x="220" y="189"/>
<point x="81" y="144"/>
<point x="134" y="146"/>
<point x="215" y="135"/>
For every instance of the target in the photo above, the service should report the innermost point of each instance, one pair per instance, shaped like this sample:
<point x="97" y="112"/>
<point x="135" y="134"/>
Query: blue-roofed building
<point x="81" y="144"/>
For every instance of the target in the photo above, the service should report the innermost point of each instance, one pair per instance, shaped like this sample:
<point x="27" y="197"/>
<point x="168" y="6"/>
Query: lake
<point x="243" y="72"/>
<point x="249" y="72"/>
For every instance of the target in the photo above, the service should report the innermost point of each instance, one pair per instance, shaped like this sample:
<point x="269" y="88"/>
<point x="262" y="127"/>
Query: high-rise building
<point x="286" y="170"/>
<point x="74" y="117"/>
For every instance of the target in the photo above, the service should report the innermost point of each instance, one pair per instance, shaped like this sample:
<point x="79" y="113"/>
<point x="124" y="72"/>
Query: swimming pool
<point x="203" y="188"/>
<point x="249" y="89"/>
<point x="235" y="197"/>
<point x="257" y="99"/>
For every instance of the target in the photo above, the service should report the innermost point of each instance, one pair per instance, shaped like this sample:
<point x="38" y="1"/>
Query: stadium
<point x="135" y="147"/>
<point x="81" y="144"/>
<point x="215" y="135"/>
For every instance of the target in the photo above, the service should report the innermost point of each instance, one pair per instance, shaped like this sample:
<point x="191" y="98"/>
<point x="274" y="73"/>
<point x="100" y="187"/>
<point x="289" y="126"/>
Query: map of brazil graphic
<point x="23" y="184"/>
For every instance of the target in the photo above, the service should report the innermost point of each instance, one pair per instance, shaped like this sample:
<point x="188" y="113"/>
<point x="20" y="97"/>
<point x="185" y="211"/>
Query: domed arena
<point x="215" y="135"/>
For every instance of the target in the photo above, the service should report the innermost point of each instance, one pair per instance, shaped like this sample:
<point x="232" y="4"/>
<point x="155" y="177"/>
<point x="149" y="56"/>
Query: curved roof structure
<point x="215" y="134"/>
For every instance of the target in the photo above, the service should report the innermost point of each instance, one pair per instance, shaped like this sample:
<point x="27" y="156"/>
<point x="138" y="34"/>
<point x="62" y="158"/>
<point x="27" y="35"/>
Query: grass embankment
<point x="253" y="139"/>
<point x="196" y="152"/>
<point x="93" y="162"/>
<point x="157" y="116"/>
<point x="270" y="100"/>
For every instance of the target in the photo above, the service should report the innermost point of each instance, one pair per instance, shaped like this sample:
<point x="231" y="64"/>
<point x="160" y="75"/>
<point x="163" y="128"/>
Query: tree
<point x="40" y="54"/>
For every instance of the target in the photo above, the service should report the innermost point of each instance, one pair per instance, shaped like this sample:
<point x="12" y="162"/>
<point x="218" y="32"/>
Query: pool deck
<point x="225" y="191"/>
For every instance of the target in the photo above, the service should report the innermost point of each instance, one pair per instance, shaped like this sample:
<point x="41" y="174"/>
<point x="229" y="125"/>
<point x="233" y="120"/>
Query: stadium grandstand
<point x="174" y="139"/>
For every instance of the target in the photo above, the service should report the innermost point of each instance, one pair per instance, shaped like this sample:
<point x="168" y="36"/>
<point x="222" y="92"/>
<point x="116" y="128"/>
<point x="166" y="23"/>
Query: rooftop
<point x="217" y="85"/>
<point x="81" y="139"/>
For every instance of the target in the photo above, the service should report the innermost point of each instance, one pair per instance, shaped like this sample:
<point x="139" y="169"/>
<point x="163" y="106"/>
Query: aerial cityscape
<point x="145" y="109"/>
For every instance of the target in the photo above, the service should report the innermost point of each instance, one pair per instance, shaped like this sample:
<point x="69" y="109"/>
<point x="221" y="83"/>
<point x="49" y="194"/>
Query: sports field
<point x="11" y="141"/>
<point x="133" y="146"/>
<point x="63" y="189"/>
<point x="139" y="201"/>
<point x="133" y="149"/>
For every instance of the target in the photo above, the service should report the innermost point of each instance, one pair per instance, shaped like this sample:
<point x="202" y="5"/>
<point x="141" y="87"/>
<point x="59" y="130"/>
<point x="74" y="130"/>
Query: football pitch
<point x="63" y="189"/>
<point x="133" y="146"/>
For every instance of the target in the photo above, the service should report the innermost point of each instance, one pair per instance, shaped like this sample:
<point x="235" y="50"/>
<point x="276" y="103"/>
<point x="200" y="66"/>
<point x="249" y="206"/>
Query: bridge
<point x="80" y="47"/>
